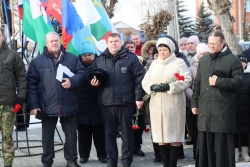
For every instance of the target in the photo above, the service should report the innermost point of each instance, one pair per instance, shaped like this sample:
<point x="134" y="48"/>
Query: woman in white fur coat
<point x="168" y="103"/>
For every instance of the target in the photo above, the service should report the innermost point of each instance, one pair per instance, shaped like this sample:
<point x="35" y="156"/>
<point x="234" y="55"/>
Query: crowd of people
<point x="197" y="93"/>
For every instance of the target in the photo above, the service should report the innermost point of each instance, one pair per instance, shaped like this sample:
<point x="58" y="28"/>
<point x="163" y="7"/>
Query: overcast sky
<point x="130" y="11"/>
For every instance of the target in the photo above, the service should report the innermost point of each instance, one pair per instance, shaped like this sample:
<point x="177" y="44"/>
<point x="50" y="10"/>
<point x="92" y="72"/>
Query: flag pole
<point x="12" y="16"/>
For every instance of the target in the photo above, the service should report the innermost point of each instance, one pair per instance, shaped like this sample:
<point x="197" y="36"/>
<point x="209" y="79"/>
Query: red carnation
<point x="17" y="108"/>
<point x="146" y="130"/>
<point x="135" y="127"/>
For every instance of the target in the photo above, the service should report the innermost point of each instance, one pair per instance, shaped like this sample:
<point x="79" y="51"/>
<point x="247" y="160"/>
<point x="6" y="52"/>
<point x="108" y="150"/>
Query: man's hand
<point x="195" y="111"/>
<point x="34" y="111"/>
<point x="212" y="80"/>
<point x="139" y="104"/>
<point x="94" y="82"/>
<point x="66" y="84"/>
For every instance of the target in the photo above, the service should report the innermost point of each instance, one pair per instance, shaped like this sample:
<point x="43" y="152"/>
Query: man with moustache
<point x="218" y="77"/>
<point x="52" y="99"/>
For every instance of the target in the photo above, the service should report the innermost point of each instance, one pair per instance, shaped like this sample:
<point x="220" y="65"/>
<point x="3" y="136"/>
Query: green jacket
<point x="12" y="76"/>
<point x="217" y="104"/>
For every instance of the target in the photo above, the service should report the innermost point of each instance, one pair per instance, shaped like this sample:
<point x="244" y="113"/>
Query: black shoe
<point x="139" y="152"/>
<point x="72" y="164"/>
<point x="84" y="160"/>
<point x="125" y="165"/>
<point x="112" y="165"/>
<point x="47" y="166"/>
<point x="7" y="165"/>
<point x="157" y="160"/>
<point x="102" y="160"/>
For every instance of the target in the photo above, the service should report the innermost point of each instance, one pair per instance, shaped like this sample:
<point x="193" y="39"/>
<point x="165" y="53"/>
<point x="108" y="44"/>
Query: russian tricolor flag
<point x="72" y="15"/>
<point x="20" y="8"/>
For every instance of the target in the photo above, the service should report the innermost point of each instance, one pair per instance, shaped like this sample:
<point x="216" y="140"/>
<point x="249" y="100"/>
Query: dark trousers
<point x="112" y="117"/>
<point x="48" y="130"/>
<point x="241" y="140"/>
<point x="85" y="133"/>
<point x="215" y="150"/>
<point x="138" y="133"/>
<point x="195" y="133"/>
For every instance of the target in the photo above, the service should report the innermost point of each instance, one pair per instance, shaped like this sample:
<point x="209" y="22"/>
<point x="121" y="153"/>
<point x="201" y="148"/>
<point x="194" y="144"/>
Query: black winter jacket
<point x="243" y="107"/>
<point x="89" y="109"/>
<point x="124" y="76"/>
<point x="217" y="104"/>
<point x="247" y="54"/>
<point x="46" y="92"/>
<point x="12" y="76"/>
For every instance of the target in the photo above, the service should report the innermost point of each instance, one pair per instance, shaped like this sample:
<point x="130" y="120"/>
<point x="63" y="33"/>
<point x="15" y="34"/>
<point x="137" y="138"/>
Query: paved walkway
<point x="34" y="134"/>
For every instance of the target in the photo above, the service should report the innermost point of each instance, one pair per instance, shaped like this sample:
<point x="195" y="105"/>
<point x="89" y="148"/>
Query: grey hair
<point x="134" y="34"/>
<point x="51" y="33"/>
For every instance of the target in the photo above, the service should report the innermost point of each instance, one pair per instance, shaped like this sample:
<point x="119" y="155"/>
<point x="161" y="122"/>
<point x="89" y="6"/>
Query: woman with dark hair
<point x="167" y="102"/>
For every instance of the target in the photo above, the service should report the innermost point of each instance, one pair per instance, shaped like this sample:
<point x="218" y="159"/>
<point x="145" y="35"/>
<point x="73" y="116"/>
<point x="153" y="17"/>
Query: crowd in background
<point x="198" y="93"/>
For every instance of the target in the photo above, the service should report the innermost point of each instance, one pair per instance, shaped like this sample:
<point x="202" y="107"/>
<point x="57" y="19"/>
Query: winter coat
<point x="138" y="49"/>
<point x="12" y="76"/>
<point x="193" y="71"/>
<point x="145" y="48"/>
<point x="190" y="56"/>
<point x="46" y="92"/>
<point x="217" y="104"/>
<point x="247" y="54"/>
<point x="124" y="76"/>
<point x="89" y="110"/>
<point x="243" y="106"/>
<point x="167" y="109"/>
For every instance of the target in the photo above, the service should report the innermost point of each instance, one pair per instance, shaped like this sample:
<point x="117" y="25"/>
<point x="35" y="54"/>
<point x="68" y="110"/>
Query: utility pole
<point x="173" y="27"/>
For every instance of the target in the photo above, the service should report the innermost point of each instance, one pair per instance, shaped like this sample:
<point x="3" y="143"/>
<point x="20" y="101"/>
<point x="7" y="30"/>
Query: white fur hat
<point x="167" y="42"/>
<point x="201" y="48"/>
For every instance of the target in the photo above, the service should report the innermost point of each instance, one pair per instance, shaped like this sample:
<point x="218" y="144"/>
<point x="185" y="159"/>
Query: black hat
<point x="242" y="58"/>
<point x="100" y="74"/>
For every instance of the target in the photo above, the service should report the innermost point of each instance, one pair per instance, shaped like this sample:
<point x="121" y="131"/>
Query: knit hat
<point x="183" y="40"/>
<point x="87" y="47"/>
<point x="166" y="41"/>
<point x="155" y="51"/>
<point x="193" y="39"/>
<point x="242" y="58"/>
<point x="201" y="48"/>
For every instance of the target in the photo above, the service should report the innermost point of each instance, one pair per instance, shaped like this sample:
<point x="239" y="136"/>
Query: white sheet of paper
<point x="63" y="69"/>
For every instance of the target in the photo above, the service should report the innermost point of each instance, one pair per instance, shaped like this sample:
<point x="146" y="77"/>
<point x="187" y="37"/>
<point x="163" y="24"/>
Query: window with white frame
<point x="247" y="5"/>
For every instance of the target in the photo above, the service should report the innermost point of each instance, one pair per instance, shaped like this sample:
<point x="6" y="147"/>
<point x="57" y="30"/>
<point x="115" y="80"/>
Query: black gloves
<point x="160" y="88"/>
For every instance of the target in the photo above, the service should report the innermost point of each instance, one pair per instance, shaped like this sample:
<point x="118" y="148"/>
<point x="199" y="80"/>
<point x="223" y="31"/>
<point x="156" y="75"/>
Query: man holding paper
<point x="51" y="96"/>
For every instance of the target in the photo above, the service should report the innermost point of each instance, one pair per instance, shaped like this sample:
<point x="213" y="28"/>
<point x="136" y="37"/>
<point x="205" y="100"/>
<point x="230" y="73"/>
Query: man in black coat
<point x="218" y="77"/>
<point x="50" y="98"/>
<point x="118" y="96"/>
